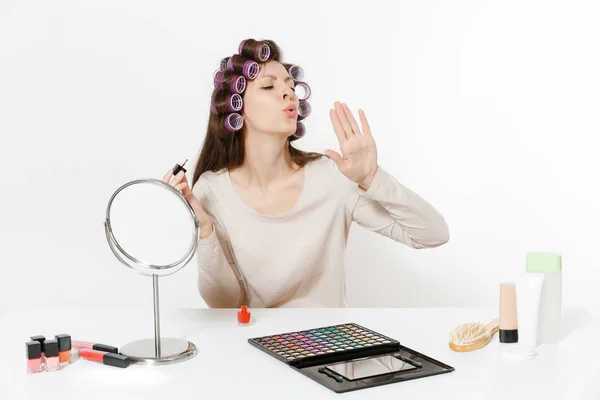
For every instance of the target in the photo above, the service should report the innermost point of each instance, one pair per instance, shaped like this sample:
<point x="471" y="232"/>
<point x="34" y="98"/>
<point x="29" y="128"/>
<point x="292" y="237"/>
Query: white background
<point x="489" y="110"/>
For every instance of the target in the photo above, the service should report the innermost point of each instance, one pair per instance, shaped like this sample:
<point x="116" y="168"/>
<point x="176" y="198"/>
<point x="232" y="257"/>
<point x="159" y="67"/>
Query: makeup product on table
<point x="508" y="313"/>
<point x="33" y="352"/>
<point x="243" y="315"/>
<point x="472" y="336"/>
<point x="529" y="289"/>
<point x="41" y="339"/>
<point x="64" y="349"/>
<point x="112" y="359"/>
<point x="94" y="346"/>
<point x="51" y="349"/>
<point x="178" y="168"/>
<point x="348" y="357"/>
<point x="550" y="266"/>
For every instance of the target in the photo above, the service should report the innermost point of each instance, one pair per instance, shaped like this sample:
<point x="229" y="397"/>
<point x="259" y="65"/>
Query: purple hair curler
<point x="250" y="69"/>
<point x="234" y="102"/>
<point x="306" y="91"/>
<point x="219" y="79"/>
<point x="263" y="52"/>
<point x="300" y="131"/>
<point x="238" y="84"/>
<point x="241" y="45"/>
<point x="304" y="109"/>
<point x="223" y="65"/>
<point x="233" y="122"/>
<point x="296" y="72"/>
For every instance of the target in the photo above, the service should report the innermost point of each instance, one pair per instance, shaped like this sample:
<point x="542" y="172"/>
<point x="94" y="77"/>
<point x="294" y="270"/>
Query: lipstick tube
<point x="94" y="346"/>
<point x="112" y="359"/>
<point x="33" y="352"/>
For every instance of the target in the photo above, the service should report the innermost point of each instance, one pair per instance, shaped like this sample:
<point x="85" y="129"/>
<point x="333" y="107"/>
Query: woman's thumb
<point x="335" y="156"/>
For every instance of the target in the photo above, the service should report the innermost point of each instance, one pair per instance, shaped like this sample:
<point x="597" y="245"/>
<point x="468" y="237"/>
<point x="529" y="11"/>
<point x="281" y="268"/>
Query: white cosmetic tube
<point x="529" y="290"/>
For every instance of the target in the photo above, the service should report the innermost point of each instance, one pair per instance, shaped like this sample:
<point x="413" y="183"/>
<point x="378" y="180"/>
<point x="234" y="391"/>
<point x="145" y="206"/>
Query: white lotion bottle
<point x="550" y="265"/>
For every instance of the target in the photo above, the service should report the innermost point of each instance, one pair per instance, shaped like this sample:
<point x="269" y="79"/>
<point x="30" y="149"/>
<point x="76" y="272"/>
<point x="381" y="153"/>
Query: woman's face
<point x="270" y="104"/>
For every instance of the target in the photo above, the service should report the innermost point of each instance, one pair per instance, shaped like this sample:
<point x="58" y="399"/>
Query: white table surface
<point x="227" y="364"/>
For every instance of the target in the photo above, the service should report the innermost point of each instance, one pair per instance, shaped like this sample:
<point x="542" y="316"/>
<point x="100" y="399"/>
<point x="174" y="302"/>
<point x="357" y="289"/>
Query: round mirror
<point x="151" y="228"/>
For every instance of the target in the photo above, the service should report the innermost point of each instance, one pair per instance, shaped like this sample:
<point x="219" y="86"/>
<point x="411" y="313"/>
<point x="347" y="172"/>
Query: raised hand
<point x="358" y="161"/>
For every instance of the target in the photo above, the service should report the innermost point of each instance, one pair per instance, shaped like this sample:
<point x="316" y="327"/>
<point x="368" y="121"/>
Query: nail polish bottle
<point x="33" y="351"/>
<point x="244" y="315"/>
<point x="41" y="339"/>
<point x="64" y="349"/>
<point x="51" y="355"/>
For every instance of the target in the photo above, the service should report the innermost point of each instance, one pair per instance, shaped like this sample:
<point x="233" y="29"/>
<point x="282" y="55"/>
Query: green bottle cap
<point x="544" y="262"/>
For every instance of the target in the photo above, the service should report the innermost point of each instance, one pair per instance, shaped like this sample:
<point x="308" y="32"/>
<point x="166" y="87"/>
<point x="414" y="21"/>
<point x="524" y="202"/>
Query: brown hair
<point x="223" y="148"/>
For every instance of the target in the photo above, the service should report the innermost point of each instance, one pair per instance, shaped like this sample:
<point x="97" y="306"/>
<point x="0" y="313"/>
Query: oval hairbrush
<point x="473" y="335"/>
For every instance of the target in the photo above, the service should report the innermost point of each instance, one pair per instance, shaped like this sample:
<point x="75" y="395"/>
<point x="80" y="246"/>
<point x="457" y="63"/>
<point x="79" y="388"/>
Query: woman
<point x="274" y="220"/>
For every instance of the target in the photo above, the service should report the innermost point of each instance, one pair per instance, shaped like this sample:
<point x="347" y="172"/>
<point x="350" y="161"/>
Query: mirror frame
<point x="131" y="261"/>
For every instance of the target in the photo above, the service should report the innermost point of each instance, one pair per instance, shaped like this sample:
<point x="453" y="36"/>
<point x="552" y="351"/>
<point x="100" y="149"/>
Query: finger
<point x="177" y="178"/>
<point x="343" y="120"/>
<point x="337" y="126"/>
<point x="351" y="119"/>
<point x="365" y="124"/>
<point x="167" y="176"/>
<point x="181" y="186"/>
<point x="336" y="157"/>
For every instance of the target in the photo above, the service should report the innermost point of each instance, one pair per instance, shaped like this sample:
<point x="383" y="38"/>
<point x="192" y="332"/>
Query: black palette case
<point x="349" y="357"/>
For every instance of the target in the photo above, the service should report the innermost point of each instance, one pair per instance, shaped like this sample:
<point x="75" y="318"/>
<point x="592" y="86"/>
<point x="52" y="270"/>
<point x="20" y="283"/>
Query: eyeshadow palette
<point x="339" y="339"/>
<point x="348" y="357"/>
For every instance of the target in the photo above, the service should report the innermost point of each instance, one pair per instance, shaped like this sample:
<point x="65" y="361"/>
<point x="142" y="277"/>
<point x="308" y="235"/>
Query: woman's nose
<point x="288" y="94"/>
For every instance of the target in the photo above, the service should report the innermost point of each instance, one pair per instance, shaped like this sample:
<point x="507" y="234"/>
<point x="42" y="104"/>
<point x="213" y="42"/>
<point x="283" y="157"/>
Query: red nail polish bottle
<point x="244" y="316"/>
<point x="33" y="351"/>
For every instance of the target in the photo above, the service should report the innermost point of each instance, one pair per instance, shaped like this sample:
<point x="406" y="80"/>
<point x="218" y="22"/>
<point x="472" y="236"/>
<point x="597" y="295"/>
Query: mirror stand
<point x="158" y="350"/>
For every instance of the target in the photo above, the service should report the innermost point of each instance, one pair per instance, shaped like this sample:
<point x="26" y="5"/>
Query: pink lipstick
<point x="94" y="346"/>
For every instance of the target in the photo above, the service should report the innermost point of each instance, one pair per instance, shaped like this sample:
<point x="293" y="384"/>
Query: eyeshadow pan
<point x="319" y="341"/>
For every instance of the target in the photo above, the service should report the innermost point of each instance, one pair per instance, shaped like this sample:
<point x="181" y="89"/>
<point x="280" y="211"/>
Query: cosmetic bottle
<point x="112" y="359"/>
<point x="77" y="344"/>
<point x="33" y="352"/>
<point x="550" y="266"/>
<point x="64" y="349"/>
<point x="508" y="313"/>
<point x="52" y="362"/>
<point x="41" y="339"/>
<point x="244" y="316"/>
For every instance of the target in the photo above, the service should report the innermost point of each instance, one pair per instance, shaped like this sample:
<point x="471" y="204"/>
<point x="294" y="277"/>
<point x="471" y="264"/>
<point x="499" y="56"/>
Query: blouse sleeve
<point x="218" y="283"/>
<point x="392" y="210"/>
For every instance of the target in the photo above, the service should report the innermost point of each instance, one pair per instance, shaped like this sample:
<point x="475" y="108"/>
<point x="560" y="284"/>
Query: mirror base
<point x="172" y="351"/>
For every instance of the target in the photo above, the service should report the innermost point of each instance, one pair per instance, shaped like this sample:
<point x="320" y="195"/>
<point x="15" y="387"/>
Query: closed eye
<point x="271" y="87"/>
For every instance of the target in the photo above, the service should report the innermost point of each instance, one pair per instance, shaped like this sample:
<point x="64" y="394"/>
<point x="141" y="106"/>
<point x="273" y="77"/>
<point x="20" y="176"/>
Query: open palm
<point x="358" y="161"/>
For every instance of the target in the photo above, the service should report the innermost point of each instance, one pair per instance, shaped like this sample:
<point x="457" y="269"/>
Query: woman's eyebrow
<point x="289" y="78"/>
